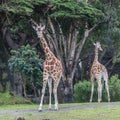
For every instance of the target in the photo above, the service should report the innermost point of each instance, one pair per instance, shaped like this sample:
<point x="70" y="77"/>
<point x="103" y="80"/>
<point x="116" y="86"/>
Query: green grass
<point x="83" y="111"/>
<point x="6" y="98"/>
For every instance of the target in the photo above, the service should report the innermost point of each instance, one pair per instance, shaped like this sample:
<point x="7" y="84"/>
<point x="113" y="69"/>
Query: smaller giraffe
<point x="98" y="72"/>
<point x="52" y="68"/>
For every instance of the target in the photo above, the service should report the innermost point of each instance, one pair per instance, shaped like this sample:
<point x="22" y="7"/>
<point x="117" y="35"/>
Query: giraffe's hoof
<point x="99" y="101"/>
<point x="56" y="109"/>
<point x="39" y="110"/>
<point x="49" y="108"/>
<point x="90" y="101"/>
<point x="109" y="100"/>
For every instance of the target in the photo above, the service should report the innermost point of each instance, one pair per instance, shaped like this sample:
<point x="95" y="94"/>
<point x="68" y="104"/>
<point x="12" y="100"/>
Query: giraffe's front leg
<point x="41" y="102"/>
<point x="45" y="78"/>
<point x="55" y="97"/>
<point x="99" y="91"/>
<point x="50" y="92"/>
<point x="55" y="94"/>
<point x="92" y="91"/>
<point x="92" y="88"/>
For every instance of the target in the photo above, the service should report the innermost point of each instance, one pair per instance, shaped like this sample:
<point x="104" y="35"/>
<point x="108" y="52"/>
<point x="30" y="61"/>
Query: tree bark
<point x="18" y="84"/>
<point x="68" y="50"/>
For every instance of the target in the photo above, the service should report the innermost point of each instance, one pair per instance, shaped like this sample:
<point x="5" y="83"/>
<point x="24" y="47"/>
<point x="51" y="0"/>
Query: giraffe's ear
<point x="34" y="27"/>
<point x="43" y="27"/>
<point x="94" y="44"/>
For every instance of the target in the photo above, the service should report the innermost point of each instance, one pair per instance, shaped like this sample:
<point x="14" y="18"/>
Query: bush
<point x="6" y="98"/>
<point x="114" y="86"/>
<point x="82" y="90"/>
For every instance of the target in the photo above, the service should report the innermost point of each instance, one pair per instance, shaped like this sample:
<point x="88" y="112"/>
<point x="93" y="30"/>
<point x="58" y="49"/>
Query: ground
<point x="76" y="111"/>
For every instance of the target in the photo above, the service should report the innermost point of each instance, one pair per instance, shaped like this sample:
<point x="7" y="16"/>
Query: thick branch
<point x="81" y="44"/>
<point x="23" y="38"/>
<point x="53" y="30"/>
<point x="10" y="42"/>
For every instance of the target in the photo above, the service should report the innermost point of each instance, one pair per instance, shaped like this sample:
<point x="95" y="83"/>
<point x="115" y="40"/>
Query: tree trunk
<point x="68" y="49"/>
<point x="68" y="90"/>
<point x="24" y="85"/>
<point x="34" y="89"/>
<point x="18" y="84"/>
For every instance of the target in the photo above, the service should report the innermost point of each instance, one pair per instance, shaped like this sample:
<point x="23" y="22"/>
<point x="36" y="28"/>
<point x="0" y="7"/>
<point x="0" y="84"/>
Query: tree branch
<point x="9" y="40"/>
<point x="86" y="34"/>
<point x="53" y="30"/>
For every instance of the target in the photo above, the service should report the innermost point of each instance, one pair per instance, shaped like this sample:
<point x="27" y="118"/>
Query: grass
<point x="6" y="98"/>
<point x="81" y="111"/>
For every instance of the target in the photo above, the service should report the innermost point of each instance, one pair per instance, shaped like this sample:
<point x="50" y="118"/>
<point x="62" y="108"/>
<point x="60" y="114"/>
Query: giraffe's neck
<point x="47" y="51"/>
<point x="96" y="54"/>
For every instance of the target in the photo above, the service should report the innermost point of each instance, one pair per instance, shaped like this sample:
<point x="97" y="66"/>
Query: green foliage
<point x="74" y="10"/>
<point x="82" y="90"/>
<point x="21" y="6"/>
<point x="26" y="61"/>
<point x="18" y="13"/>
<point x="4" y="75"/>
<point x="6" y="98"/>
<point x="114" y="87"/>
<point x="116" y="58"/>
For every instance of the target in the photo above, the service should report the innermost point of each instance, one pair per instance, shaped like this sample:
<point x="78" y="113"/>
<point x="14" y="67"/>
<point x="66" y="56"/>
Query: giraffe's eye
<point x="38" y="29"/>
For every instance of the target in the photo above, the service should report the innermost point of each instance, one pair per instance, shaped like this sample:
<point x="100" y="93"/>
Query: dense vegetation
<point x="82" y="90"/>
<point x="71" y="26"/>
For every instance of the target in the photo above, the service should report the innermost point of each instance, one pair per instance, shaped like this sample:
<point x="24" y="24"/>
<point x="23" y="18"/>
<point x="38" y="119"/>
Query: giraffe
<point x="98" y="71"/>
<point x="52" y="68"/>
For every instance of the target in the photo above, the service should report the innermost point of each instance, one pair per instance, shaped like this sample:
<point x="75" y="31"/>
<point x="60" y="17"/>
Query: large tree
<point x="68" y="24"/>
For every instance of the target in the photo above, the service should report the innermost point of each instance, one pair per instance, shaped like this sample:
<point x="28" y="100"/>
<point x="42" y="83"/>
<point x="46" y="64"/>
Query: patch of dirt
<point x="71" y="107"/>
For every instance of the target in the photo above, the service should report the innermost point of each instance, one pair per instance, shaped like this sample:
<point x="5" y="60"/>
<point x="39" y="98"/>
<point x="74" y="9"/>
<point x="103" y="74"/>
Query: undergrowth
<point x="7" y="98"/>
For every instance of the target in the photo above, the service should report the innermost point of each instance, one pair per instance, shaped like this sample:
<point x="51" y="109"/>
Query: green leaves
<point x="26" y="61"/>
<point x="82" y="91"/>
<point x="21" y="6"/>
<point x="114" y="88"/>
<point x="75" y="10"/>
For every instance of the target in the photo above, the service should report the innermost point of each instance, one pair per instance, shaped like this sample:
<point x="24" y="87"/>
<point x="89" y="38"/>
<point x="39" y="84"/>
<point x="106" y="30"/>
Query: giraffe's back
<point x="99" y="70"/>
<point x="96" y="68"/>
<point x="52" y="66"/>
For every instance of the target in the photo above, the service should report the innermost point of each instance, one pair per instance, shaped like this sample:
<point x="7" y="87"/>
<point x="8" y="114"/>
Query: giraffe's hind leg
<point x="92" y="88"/>
<point x="99" y="90"/>
<point x="105" y="77"/>
<point x="56" y="83"/>
<point x="107" y="88"/>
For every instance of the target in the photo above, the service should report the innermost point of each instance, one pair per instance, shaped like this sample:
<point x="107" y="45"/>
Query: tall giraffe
<point x="98" y="71"/>
<point x="52" y="69"/>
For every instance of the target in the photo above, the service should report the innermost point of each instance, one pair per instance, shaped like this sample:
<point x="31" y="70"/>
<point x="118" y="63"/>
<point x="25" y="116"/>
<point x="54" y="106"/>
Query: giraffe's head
<point x="39" y="28"/>
<point x="98" y="45"/>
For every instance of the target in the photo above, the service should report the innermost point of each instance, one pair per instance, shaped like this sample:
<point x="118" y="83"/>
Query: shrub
<point x="6" y="98"/>
<point x="25" y="62"/>
<point x="114" y="86"/>
<point x="82" y="90"/>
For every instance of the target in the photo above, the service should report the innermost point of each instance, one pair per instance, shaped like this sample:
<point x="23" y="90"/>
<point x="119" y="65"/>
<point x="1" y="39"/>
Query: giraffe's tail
<point x="105" y="76"/>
